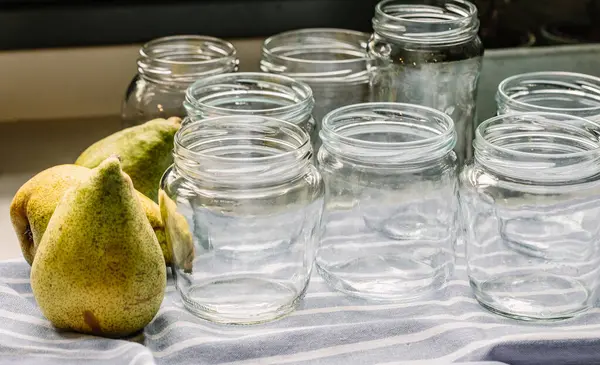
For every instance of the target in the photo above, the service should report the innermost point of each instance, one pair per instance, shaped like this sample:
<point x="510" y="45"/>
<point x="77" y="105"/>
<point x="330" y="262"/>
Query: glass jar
<point x="428" y="55"/>
<point x="531" y="202"/>
<point x="556" y="92"/>
<point x="166" y="67"/>
<point x="252" y="93"/>
<point x="333" y="62"/>
<point x="390" y="220"/>
<point x="242" y="207"/>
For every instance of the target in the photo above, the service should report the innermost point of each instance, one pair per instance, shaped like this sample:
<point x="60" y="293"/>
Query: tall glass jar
<point x="556" y="92"/>
<point x="242" y="207"/>
<point x="333" y="62"/>
<point x="252" y="93"/>
<point x="428" y="55"/>
<point x="390" y="221"/>
<point x="531" y="202"/>
<point x="166" y="67"/>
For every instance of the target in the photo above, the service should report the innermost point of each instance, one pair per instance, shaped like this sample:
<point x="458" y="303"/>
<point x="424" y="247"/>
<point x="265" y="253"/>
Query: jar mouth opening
<point x="410" y="130"/>
<point x="443" y="22"/>
<point x="241" y="140"/>
<point x="539" y="136"/>
<point x="576" y="92"/>
<point x="327" y="46"/>
<point x="248" y="93"/>
<point x="445" y="11"/>
<point x="187" y="50"/>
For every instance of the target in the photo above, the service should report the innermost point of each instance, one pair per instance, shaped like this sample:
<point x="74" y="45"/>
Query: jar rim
<point x="225" y="46"/>
<point x="305" y="92"/>
<point x="447" y="134"/>
<point x="302" y="149"/>
<point x="462" y="26"/>
<point x="503" y="96"/>
<point x="481" y="140"/>
<point x="379" y="10"/>
<point x="328" y="31"/>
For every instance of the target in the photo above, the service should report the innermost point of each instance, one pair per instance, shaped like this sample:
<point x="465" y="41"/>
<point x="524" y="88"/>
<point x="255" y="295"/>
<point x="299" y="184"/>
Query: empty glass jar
<point x="252" y="93"/>
<point x="242" y="207"/>
<point x="331" y="61"/>
<point x="531" y="203"/>
<point x="166" y="67"/>
<point x="428" y="55"/>
<point x="390" y="221"/>
<point x="557" y="92"/>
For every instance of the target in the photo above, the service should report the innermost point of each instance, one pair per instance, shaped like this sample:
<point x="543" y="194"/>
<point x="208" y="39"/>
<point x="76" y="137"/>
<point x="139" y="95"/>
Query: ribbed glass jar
<point x="333" y="62"/>
<point x="531" y="203"/>
<point x="242" y="207"/>
<point x="428" y="55"/>
<point x="166" y="67"/>
<point x="390" y="221"/>
<point x="555" y="92"/>
<point x="252" y="93"/>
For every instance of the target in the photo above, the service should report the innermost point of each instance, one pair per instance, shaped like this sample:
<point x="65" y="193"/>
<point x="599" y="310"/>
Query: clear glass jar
<point x="242" y="207"/>
<point x="166" y="67"/>
<point x="252" y="93"/>
<point x="428" y="55"/>
<point x="390" y="220"/>
<point x="556" y="92"/>
<point x="333" y="62"/>
<point x="531" y="202"/>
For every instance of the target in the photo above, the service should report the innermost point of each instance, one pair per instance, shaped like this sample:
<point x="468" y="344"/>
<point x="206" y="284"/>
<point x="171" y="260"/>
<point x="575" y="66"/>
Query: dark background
<point x="27" y="24"/>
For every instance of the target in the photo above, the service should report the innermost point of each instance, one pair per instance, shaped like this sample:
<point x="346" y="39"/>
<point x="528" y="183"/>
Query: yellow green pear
<point x="99" y="268"/>
<point x="145" y="152"/>
<point x="35" y="202"/>
<point x="178" y="234"/>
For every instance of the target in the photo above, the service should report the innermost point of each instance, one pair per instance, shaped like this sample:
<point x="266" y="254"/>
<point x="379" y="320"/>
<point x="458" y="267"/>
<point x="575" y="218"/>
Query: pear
<point x="178" y="234"/>
<point x="145" y="152"/>
<point x="35" y="202"/>
<point x="99" y="268"/>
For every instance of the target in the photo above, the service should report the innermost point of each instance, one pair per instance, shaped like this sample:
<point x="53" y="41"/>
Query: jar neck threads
<point x="178" y="61"/>
<point x="250" y="93"/>
<point x="242" y="150"/>
<point x="409" y="21"/>
<point x="317" y="55"/>
<point x="546" y="148"/>
<point x="556" y="92"/>
<point x="388" y="133"/>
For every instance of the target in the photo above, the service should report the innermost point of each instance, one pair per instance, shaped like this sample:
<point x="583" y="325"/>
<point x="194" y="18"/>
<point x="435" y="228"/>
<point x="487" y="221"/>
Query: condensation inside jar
<point x="389" y="221"/>
<point x="561" y="92"/>
<point x="428" y="55"/>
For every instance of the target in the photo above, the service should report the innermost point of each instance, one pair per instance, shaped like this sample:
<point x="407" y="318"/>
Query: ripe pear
<point x="178" y="234"/>
<point x="145" y="152"/>
<point x="99" y="268"/>
<point x="35" y="202"/>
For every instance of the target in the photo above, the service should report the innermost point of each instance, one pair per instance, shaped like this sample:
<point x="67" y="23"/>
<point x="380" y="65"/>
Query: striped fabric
<point x="328" y="328"/>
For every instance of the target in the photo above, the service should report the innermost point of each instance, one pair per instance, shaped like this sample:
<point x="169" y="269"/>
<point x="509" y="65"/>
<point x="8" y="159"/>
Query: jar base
<point x="533" y="297"/>
<point x="241" y="300"/>
<point x="384" y="278"/>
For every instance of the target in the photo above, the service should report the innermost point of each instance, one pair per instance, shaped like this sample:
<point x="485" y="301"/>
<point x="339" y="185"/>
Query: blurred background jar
<point x="531" y="202"/>
<point x="428" y="55"/>
<point x="166" y="67"/>
<point x="552" y="91"/>
<point x="390" y="221"/>
<point x="331" y="61"/>
<point x="242" y="206"/>
<point x="252" y="93"/>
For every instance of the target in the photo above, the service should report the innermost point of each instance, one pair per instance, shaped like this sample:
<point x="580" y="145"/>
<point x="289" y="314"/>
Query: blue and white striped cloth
<point x="328" y="328"/>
